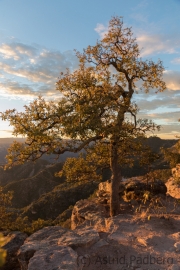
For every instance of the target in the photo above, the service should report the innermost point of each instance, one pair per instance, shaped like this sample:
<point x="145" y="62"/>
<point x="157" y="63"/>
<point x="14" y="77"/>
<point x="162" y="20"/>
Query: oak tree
<point x="95" y="111"/>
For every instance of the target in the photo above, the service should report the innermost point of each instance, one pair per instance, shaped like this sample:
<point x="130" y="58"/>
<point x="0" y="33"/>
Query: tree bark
<point x="115" y="179"/>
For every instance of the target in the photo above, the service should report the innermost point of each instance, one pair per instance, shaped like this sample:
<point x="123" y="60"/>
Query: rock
<point x="133" y="189"/>
<point x="142" y="241"/>
<point x="175" y="267"/>
<point x="139" y="186"/>
<point x="106" y="187"/>
<point x="177" y="246"/>
<point x="172" y="249"/>
<point x="54" y="257"/>
<point x="176" y="171"/>
<point x="173" y="188"/>
<point x="39" y="240"/>
<point x="13" y="242"/>
<point x="118" y="237"/>
<point x="54" y="245"/>
<point x="100" y="243"/>
<point x="89" y="213"/>
<point x="176" y="236"/>
<point x="134" y="203"/>
<point x="89" y="236"/>
<point x="79" y="238"/>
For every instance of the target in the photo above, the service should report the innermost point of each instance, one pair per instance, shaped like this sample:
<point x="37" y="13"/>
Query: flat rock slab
<point x="54" y="258"/>
<point x="79" y="238"/>
<point x="119" y="238"/>
<point x="120" y="222"/>
<point x="56" y="240"/>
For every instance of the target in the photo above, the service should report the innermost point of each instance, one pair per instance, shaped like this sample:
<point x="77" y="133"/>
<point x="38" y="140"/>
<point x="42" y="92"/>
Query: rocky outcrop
<point x="124" y="238"/>
<point x="88" y="213"/>
<point x="173" y="184"/>
<point x="104" y="190"/>
<point x="133" y="188"/>
<point x="94" y="212"/>
<point x="53" y="248"/>
<point x="13" y="241"/>
<point x="98" y="239"/>
<point x="55" y="257"/>
<point x="173" y="188"/>
<point x="176" y="171"/>
<point x="95" y="236"/>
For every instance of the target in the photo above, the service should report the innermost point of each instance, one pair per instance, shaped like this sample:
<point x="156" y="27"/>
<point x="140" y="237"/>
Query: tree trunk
<point x="115" y="180"/>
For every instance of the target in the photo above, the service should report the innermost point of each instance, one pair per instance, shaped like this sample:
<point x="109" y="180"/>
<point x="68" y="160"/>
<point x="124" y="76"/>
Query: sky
<point x="38" y="38"/>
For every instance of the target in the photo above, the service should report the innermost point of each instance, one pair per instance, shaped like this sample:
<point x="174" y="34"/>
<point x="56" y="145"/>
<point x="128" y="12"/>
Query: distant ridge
<point x="11" y="140"/>
<point x="154" y="142"/>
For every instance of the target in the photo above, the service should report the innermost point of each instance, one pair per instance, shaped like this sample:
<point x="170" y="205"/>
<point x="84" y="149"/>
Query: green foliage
<point x="5" y="202"/>
<point x="148" y="157"/>
<point x="78" y="169"/>
<point x="24" y="225"/>
<point x="9" y="220"/>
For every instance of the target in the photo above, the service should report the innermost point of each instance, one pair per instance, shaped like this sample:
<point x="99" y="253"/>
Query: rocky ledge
<point x="148" y="238"/>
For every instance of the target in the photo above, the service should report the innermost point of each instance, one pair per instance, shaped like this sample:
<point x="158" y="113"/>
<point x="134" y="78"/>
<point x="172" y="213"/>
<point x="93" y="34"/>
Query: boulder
<point x="54" y="257"/>
<point x="13" y="241"/>
<point x="89" y="213"/>
<point x="173" y="184"/>
<point x="134" y="188"/>
<point x="105" y="187"/>
<point x="176" y="171"/>
<point x="156" y="187"/>
<point x="173" y="188"/>
<point x="52" y="248"/>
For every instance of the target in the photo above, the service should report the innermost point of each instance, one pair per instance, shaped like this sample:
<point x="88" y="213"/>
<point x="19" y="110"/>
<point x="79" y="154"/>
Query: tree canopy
<point x="94" y="108"/>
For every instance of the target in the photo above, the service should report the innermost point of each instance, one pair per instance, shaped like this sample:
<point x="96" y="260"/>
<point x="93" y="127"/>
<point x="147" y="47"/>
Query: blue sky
<point x="37" y="39"/>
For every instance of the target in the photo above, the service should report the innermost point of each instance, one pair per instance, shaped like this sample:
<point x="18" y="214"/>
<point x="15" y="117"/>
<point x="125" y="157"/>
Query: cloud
<point x="28" y="70"/>
<point x="6" y="130"/>
<point x="172" y="79"/>
<point x="149" y="43"/>
<point x="176" y="60"/>
<point x="154" y="44"/>
<point x="140" y="17"/>
<point x="165" y="103"/>
<point x="164" y="116"/>
<point x="172" y="129"/>
<point x="101" y="30"/>
<point x="9" y="87"/>
<point x="16" y="51"/>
